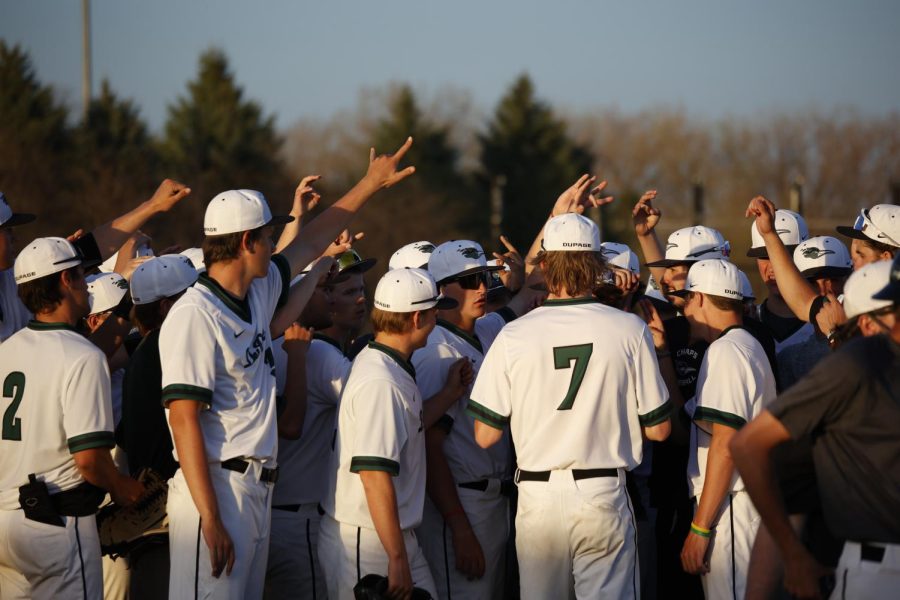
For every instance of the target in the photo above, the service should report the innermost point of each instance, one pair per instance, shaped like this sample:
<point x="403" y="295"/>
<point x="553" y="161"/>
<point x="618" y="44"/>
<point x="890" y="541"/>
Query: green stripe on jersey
<point x="374" y="463"/>
<point x="183" y="391"/>
<point x="486" y="415"/>
<point x="398" y="358"/>
<point x="284" y="268"/>
<point x="465" y="336"/>
<point x="571" y="301"/>
<point x="241" y="308"/>
<point x="712" y="415"/>
<point x="656" y="416"/>
<point x="47" y="326"/>
<point x="86" y="441"/>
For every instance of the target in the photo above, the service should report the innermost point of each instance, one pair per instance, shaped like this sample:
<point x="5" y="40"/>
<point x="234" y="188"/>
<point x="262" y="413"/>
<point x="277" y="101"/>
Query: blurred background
<point x="708" y="102"/>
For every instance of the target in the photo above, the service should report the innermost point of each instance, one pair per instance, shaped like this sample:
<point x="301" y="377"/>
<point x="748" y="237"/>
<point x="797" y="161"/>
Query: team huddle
<point x="540" y="426"/>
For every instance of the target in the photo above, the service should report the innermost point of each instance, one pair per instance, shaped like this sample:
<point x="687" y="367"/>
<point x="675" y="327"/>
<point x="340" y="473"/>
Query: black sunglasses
<point x="473" y="281"/>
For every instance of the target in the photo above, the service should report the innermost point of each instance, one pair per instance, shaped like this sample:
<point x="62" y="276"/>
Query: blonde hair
<point x="390" y="322"/>
<point x="580" y="273"/>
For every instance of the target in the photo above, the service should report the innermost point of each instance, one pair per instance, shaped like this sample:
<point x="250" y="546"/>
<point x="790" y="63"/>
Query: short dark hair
<point x="727" y="304"/>
<point x="44" y="293"/>
<point x="224" y="248"/>
<point x="880" y="247"/>
<point x="146" y="316"/>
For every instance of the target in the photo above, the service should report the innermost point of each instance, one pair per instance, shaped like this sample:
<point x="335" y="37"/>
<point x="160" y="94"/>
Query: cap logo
<point x="814" y="253"/>
<point x="670" y="245"/>
<point x="470" y="252"/>
<point x="575" y="245"/>
<point x="122" y="284"/>
<point x="608" y="252"/>
<point x="381" y="304"/>
<point x="780" y="231"/>
<point x="424" y="248"/>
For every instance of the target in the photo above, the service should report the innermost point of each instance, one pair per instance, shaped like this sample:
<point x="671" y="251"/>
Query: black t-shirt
<point x="143" y="432"/>
<point x="849" y="405"/>
<point x="765" y="339"/>
<point x="780" y="328"/>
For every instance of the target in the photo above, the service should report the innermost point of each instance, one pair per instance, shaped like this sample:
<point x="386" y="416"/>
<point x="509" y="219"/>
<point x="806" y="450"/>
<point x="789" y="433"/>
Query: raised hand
<point x="383" y="169"/>
<point x="580" y="196"/>
<point x="75" y="236"/>
<point x="305" y="196"/>
<point x="297" y="337"/>
<point x="515" y="277"/>
<point x="764" y="212"/>
<point x="343" y="243"/>
<point x="168" y="194"/>
<point x="644" y="215"/>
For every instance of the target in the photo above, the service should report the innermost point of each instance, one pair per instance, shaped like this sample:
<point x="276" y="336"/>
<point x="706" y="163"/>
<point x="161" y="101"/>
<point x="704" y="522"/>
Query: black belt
<point x="506" y="486"/>
<point x="240" y="465"/>
<point x="577" y="474"/>
<point x="80" y="501"/>
<point x="871" y="553"/>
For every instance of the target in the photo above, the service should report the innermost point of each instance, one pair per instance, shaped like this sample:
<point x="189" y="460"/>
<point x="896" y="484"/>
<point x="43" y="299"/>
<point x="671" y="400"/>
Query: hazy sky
<point x="311" y="58"/>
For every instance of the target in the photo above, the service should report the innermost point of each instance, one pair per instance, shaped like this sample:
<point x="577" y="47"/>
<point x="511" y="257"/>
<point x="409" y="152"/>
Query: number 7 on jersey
<point x="562" y="359"/>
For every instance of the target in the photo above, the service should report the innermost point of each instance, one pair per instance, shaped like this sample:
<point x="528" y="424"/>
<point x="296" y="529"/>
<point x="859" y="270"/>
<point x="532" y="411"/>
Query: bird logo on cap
<point x="426" y="248"/>
<point x="470" y="252"/>
<point x="815" y="253"/>
<point x="122" y="284"/>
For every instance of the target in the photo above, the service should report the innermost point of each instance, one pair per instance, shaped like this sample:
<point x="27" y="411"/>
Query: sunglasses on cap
<point x="473" y="281"/>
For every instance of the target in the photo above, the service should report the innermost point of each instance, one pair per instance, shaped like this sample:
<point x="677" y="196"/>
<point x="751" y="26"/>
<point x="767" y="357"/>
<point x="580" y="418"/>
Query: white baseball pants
<point x="729" y="548"/>
<point x="576" y="539"/>
<point x="293" y="570"/>
<point x="860" y="573"/>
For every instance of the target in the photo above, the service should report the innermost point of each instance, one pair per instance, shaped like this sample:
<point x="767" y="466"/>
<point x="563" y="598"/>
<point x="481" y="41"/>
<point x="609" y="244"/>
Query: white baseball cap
<point x="109" y="265"/>
<point x="10" y="219"/>
<point x="412" y="256"/>
<point x="45" y="256"/>
<point x="162" y="277"/>
<point x="458" y="258"/>
<point x="195" y="255"/>
<point x="789" y="226"/>
<point x="653" y="290"/>
<point x="823" y="256"/>
<point x="409" y="290"/>
<point x="862" y="284"/>
<point x="891" y="291"/>
<point x="571" y="232"/>
<point x="746" y="286"/>
<point x="881" y="223"/>
<point x="715" y="277"/>
<point x="105" y="291"/>
<point x="620" y="256"/>
<point x="693" y="244"/>
<point x="239" y="210"/>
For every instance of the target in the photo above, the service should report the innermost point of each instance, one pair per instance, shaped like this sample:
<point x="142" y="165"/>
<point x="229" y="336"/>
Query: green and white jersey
<point x="217" y="351"/>
<point x="576" y="380"/>
<point x="303" y="463"/>
<point x="55" y="402"/>
<point x="380" y="428"/>
<point x="447" y="344"/>
<point x="13" y="314"/>
<point x="734" y="385"/>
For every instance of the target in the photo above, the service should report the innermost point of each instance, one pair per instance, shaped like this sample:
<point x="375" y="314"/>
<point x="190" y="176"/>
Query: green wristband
<point x="702" y="533"/>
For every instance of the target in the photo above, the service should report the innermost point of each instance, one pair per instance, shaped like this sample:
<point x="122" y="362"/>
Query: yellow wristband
<point x="702" y="532"/>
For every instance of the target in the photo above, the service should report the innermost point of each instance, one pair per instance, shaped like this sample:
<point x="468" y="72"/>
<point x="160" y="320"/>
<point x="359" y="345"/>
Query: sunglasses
<point x="473" y="281"/>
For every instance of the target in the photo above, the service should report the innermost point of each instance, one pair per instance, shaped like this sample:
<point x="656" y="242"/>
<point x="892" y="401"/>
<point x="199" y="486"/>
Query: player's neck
<point x="232" y="277"/>
<point x="719" y="322"/>
<point x="563" y="294"/>
<point x="339" y="334"/>
<point x="63" y="313"/>
<point x="402" y="344"/>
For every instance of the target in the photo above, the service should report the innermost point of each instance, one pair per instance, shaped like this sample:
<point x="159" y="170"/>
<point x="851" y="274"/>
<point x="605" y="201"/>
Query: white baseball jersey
<point x="488" y="326"/>
<point x="55" y="402"/>
<point x="217" y="351"/>
<point x="380" y="428"/>
<point x="303" y="475"/>
<point x="734" y="385"/>
<point x="576" y="380"/>
<point x="467" y="460"/>
<point x="13" y="314"/>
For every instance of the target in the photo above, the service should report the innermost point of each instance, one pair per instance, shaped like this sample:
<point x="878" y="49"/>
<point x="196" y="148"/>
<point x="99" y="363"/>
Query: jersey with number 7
<point x="576" y="380"/>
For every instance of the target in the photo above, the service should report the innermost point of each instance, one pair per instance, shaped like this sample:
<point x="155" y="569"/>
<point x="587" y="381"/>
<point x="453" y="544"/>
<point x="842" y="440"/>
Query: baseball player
<point x="875" y="234"/>
<point x="734" y="385"/>
<point x="464" y="528"/>
<point x="13" y="314"/>
<point x="558" y="376"/>
<point x="56" y="434"/>
<point x="377" y="474"/>
<point x="293" y="570"/>
<point x="219" y="386"/>
<point x="348" y="299"/>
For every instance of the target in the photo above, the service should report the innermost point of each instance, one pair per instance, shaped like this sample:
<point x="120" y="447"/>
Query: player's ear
<point x="247" y="242"/>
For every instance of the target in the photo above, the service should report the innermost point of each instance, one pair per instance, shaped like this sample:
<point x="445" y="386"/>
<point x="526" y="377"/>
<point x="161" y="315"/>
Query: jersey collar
<point x="571" y="301"/>
<point x="405" y="364"/>
<point x="470" y="338"/>
<point x="44" y="326"/>
<point x="727" y="329"/>
<point x="328" y="340"/>
<point x="241" y="308"/>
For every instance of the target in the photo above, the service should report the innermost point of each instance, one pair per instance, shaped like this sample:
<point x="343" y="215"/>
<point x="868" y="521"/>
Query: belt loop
<point x="516" y="477"/>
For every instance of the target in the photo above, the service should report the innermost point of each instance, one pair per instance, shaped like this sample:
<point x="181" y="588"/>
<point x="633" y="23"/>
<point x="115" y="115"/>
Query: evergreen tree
<point x="528" y="146"/>
<point x="37" y="144"/>
<point x="118" y="161"/>
<point x="216" y="140"/>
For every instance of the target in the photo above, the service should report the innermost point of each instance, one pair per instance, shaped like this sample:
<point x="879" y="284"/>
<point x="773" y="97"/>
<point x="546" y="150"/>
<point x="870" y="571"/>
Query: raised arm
<point x="110" y="236"/>
<point x="305" y="199"/>
<point x="382" y="173"/>
<point x="299" y="295"/>
<point x="646" y="217"/>
<point x="797" y="292"/>
<point x="296" y="343"/>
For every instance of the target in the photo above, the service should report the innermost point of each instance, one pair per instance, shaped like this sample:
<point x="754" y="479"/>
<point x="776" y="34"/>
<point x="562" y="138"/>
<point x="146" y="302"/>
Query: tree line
<point x="510" y="165"/>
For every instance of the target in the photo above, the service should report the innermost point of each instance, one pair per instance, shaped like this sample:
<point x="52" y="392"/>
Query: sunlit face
<point x="767" y="274"/>
<point x="472" y="300"/>
<point x="674" y="279"/>
<point x="349" y="303"/>
<point x="427" y="323"/>
<point x="863" y="254"/>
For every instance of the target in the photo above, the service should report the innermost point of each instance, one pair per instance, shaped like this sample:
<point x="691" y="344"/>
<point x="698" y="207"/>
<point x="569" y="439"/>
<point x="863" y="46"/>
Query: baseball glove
<point x="374" y="587"/>
<point x="122" y="527"/>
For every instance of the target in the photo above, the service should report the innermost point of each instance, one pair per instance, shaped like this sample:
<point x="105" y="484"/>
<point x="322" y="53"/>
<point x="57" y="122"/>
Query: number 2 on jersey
<point x="562" y="359"/>
<point x="13" y="387"/>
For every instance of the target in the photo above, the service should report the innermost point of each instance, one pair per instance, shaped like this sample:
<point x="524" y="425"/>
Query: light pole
<point x="85" y="57"/>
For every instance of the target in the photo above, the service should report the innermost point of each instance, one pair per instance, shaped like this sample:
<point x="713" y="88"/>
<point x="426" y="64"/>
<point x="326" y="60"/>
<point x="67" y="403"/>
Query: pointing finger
<point x="403" y="149"/>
